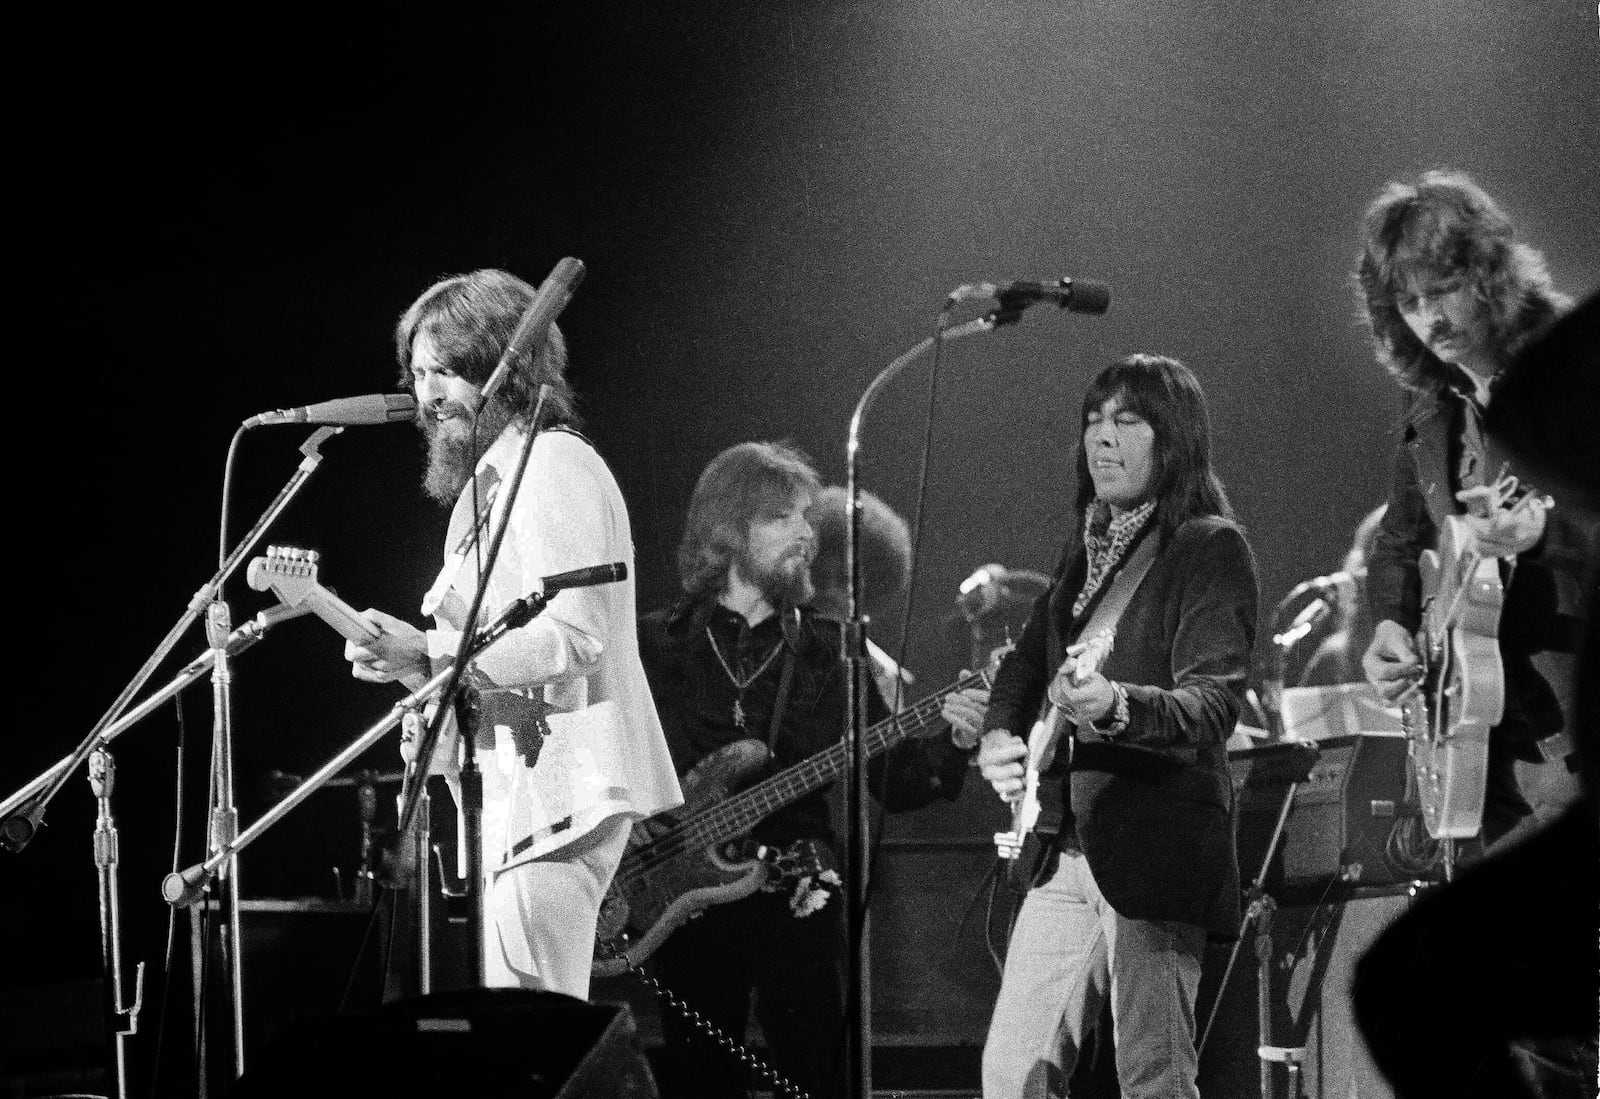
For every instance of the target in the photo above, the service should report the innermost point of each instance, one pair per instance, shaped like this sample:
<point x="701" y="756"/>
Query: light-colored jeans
<point x="539" y="917"/>
<point x="1068" y="949"/>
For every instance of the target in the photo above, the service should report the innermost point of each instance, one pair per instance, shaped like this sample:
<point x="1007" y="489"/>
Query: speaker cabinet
<point x="302" y="957"/>
<point x="470" y="1042"/>
<point x="1351" y="817"/>
<point x="1314" y="951"/>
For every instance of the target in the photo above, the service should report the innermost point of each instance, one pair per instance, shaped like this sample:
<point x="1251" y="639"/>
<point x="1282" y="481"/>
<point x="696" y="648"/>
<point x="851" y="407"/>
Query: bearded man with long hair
<point x="569" y="745"/>
<point x="744" y="660"/>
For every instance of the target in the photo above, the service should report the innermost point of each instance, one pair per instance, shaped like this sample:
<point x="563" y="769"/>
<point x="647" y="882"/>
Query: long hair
<point x="742" y="484"/>
<point x="470" y="319"/>
<point x="1167" y="395"/>
<point x="884" y="546"/>
<point x="1444" y="226"/>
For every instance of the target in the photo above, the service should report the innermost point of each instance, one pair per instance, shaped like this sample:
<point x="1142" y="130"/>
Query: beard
<point x="451" y="454"/>
<point x="784" y="582"/>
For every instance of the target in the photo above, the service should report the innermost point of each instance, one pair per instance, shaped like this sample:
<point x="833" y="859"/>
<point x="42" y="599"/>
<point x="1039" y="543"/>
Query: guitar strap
<point x="785" y="681"/>
<point x="1127" y="580"/>
<point x="1108" y="610"/>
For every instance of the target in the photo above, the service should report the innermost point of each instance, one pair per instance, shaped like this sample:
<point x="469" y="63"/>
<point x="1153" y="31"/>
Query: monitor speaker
<point x="470" y="1042"/>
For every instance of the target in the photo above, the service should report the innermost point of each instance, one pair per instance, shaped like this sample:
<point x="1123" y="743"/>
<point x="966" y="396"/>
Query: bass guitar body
<point x="1462" y="693"/>
<point x="666" y="883"/>
<point x="683" y="861"/>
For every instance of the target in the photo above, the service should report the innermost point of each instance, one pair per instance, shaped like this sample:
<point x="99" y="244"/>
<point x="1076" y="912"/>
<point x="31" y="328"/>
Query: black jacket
<point x="1152" y="808"/>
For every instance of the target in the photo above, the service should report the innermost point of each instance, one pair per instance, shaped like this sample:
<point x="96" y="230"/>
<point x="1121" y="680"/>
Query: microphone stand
<point x="1258" y="909"/>
<point x="858" y="993"/>
<point x="122" y="1022"/>
<point x="1283" y="642"/>
<point x="184" y="887"/>
<point x="471" y="778"/>
<point x="23" y="814"/>
<point x="243" y="638"/>
<point x="21" y="817"/>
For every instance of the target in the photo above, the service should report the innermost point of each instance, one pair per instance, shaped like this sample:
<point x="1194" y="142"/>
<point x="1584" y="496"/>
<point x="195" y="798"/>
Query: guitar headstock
<point x="288" y="572"/>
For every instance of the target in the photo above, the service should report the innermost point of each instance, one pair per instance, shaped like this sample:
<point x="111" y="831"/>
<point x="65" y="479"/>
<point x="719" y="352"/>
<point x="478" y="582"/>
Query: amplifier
<point x="1351" y="817"/>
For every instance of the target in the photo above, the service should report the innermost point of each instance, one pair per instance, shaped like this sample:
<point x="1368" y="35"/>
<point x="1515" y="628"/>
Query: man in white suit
<point x="570" y="747"/>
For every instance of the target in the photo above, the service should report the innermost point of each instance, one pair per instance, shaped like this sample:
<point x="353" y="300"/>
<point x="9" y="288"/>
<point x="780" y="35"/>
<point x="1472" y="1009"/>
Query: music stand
<point x="1258" y="909"/>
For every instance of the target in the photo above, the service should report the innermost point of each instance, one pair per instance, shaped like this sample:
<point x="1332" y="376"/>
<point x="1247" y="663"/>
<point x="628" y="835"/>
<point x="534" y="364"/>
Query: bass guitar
<point x="1083" y="659"/>
<point x="681" y="862"/>
<point x="1461" y="695"/>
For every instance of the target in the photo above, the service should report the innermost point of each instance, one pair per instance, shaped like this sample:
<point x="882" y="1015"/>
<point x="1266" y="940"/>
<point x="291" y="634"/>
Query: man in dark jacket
<point x="1450" y="296"/>
<point x="1138" y="865"/>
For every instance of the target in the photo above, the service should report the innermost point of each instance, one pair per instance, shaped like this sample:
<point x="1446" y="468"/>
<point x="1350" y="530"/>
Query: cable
<point x="361" y="948"/>
<point x="227" y="494"/>
<point x="880" y="816"/>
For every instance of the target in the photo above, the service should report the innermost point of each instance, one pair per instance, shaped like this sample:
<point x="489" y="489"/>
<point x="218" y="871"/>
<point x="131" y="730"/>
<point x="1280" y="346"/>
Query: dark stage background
<point x="772" y="201"/>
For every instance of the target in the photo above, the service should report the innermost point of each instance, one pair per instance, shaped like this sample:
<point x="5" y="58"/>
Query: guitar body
<point x="680" y="862"/>
<point x="657" y="891"/>
<point x="1462" y="694"/>
<point x="1019" y="844"/>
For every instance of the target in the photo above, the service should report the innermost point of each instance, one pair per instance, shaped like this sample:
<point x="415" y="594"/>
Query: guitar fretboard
<point x="737" y="814"/>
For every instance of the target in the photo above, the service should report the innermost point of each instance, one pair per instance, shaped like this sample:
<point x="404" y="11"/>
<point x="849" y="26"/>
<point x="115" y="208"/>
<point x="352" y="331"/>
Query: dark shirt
<point x="695" y="697"/>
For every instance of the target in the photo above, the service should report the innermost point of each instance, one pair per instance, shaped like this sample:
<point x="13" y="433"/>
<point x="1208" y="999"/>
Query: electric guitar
<point x="1084" y="658"/>
<point x="685" y="860"/>
<point x="291" y="574"/>
<point x="1461" y="696"/>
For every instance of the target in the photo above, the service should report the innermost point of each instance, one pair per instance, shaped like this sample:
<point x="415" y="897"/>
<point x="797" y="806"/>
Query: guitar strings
<point x="691" y="835"/>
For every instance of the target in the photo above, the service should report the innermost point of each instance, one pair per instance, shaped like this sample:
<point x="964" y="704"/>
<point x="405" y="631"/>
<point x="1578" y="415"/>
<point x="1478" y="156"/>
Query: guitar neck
<point x="340" y="615"/>
<point x="738" y="814"/>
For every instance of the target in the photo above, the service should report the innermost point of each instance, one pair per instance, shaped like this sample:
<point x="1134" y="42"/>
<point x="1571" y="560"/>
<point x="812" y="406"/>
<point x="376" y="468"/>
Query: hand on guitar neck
<point x="1077" y="696"/>
<point x="395" y="652"/>
<point x="1504" y="524"/>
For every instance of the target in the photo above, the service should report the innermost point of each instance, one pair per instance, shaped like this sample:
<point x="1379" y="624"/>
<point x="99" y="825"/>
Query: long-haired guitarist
<point x="1450" y="294"/>
<point x="744" y="668"/>
<point x="1139" y="864"/>
<point x="1489" y="985"/>
<point x="569" y="745"/>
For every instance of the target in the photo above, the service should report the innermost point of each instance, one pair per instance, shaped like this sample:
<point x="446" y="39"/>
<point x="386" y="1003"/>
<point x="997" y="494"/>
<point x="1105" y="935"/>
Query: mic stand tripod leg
<point x="122" y="1020"/>
<point x="223" y="824"/>
<point x="422" y="887"/>
<point x="472" y="872"/>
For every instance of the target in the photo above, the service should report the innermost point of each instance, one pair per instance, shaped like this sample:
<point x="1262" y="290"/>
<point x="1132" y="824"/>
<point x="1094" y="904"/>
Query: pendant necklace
<point x="740" y="684"/>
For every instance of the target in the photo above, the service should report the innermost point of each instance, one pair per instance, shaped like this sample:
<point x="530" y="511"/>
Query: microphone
<point x="1332" y="590"/>
<point x="994" y="587"/>
<point x="548" y="302"/>
<point x="374" y="408"/>
<point x="583" y="578"/>
<point x="980" y="593"/>
<point x="521" y="610"/>
<point x="180" y="889"/>
<point x="1073" y="295"/>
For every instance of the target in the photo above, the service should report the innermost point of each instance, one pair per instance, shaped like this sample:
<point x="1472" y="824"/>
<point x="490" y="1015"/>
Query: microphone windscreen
<point x="1087" y="296"/>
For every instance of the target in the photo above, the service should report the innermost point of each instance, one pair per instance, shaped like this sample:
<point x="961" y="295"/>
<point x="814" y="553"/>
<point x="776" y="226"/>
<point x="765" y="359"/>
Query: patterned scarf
<point x="1105" y="541"/>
